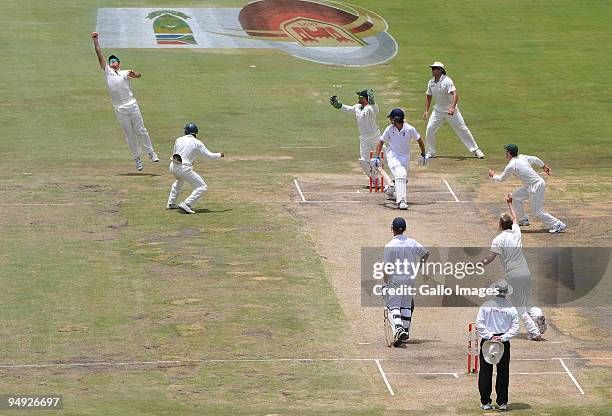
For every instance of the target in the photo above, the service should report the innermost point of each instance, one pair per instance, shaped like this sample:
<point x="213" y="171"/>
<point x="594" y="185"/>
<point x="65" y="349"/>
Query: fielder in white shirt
<point x="508" y="245"/>
<point x="443" y="90"/>
<point x="398" y="135"/>
<point x="186" y="149"/>
<point x="365" y="112"/>
<point x="125" y="105"/>
<point x="533" y="187"/>
<point x="401" y="305"/>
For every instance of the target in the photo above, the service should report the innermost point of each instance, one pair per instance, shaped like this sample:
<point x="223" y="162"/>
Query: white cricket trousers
<point x="536" y="199"/>
<point x="400" y="305"/>
<point x="185" y="173"/>
<point x="522" y="300"/>
<point x="436" y="119"/>
<point x="136" y="134"/>
<point x="398" y="165"/>
<point x="367" y="145"/>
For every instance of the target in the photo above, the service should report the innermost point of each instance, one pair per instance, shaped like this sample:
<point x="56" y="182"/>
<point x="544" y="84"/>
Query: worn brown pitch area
<point x="429" y="373"/>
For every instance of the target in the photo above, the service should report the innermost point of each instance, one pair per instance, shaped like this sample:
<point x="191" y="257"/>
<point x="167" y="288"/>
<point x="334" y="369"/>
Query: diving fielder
<point x="186" y="149"/>
<point x="365" y="112"/>
<point x="508" y="245"/>
<point x="398" y="136"/>
<point x="401" y="305"/>
<point x="533" y="187"/>
<point x="125" y="105"/>
<point x="442" y="88"/>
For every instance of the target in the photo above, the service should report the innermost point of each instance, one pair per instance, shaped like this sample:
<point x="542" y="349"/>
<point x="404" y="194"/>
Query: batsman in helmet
<point x="398" y="136"/>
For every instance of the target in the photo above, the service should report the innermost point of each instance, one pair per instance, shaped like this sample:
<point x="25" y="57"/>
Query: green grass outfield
<point x="123" y="279"/>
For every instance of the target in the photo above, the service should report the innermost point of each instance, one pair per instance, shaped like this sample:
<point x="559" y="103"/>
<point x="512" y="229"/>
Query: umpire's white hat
<point x="437" y="65"/>
<point x="492" y="351"/>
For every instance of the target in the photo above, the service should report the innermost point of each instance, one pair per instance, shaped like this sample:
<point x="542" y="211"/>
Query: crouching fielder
<point x="365" y="112"/>
<point x="186" y="149"/>
<point x="401" y="305"/>
<point x="398" y="135"/>
<point x="533" y="187"/>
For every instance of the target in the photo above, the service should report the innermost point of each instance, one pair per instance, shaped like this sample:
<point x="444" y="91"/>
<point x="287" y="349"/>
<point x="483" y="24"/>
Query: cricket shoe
<point x="171" y="206"/>
<point x="523" y="223"/>
<point x="430" y="155"/>
<point x="558" y="228"/>
<point x="478" y="153"/>
<point x="538" y="337"/>
<point x="402" y="205"/>
<point x="503" y="407"/>
<point x="138" y="164"/>
<point x="540" y="321"/>
<point x="487" y="406"/>
<point x="400" y="336"/>
<point x="186" y="208"/>
<point x="154" y="157"/>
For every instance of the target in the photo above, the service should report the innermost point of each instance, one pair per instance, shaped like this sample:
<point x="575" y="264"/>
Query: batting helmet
<point x="191" y="128"/>
<point x="396" y="115"/>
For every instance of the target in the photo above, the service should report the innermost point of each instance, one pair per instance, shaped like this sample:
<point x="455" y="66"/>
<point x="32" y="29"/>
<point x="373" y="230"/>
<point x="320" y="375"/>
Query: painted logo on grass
<point x="321" y="31"/>
<point x="171" y="28"/>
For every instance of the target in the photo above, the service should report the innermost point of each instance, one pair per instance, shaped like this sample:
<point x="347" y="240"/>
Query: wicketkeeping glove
<point x="333" y="100"/>
<point x="371" y="96"/>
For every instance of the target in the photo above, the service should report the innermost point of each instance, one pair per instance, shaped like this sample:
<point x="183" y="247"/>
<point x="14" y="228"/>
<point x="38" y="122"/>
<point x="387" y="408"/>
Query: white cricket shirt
<point x="441" y="92"/>
<point x="403" y="248"/>
<point x="366" y="119"/>
<point x="509" y="246"/>
<point x="497" y="316"/>
<point x="520" y="166"/>
<point x="399" y="140"/>
<point x="189" y="148"/>
<point x="118" y="84"/>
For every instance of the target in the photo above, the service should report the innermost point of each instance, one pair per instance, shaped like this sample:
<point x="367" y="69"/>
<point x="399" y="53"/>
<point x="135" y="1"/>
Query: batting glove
<point x="376" y="162"/>
<point x="424" y="159"/>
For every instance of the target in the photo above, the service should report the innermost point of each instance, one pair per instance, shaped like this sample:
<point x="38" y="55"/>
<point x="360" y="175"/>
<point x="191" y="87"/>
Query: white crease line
<point x="382" y="373"/>
<point x="51" y="204"/>
<point x="304" y="147"/>
<point x="451" y="191"/>
<point x="569" y="373"/>
<point x="299" y="190"/>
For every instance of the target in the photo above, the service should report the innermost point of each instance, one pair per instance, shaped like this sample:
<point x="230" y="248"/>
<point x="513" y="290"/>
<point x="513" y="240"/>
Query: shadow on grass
<point x="456" y="157"/>
<point x="209" y="211"/>
<point x="540" y="231"/>
<point x="519" y="406"/>
<point x="139" y="174"/>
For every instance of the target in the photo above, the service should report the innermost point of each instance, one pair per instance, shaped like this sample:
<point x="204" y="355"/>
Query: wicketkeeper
<point x="365" y="112"/>
<point x="186" y="149"/>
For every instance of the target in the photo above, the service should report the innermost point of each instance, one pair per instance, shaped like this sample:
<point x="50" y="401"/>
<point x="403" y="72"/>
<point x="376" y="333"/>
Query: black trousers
<point x="485" y="377"/>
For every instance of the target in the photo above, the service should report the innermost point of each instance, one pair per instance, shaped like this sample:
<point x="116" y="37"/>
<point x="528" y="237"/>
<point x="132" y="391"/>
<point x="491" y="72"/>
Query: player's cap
<point x="191" y="128"/>
<point x="502" y="287"/>
<point x="492" y="351"/>
<point x="113" y="57"/>
<point x="363" y="93"/>
<point x="396" y="114"/>
<point x="398" y="224"/>
<point x="512" y="148"/>
<point x="437" y="64"/>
